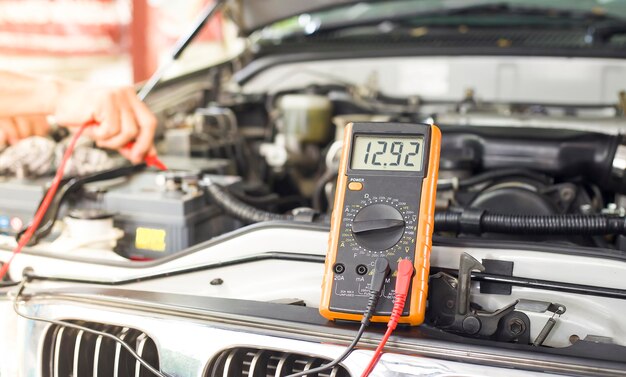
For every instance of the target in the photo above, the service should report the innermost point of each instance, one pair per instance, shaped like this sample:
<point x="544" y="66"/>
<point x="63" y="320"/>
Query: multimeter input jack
<point x="339" y="268"/>
<point x="361" y="269"/>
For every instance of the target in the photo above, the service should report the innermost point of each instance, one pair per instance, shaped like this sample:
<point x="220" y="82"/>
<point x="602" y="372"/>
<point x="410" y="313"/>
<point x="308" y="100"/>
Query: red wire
<point x="378" y="352"/>
<point x="47" y="200"/>
<point x="403" y="281"/>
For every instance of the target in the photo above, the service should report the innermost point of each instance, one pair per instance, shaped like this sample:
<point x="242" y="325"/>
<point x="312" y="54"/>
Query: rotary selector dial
<point x="378" y="227"/>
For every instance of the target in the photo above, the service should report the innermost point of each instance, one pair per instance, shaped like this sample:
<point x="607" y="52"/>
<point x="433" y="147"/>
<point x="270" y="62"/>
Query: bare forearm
<point x="27" y="95"/>
<point x="120" y="115"/>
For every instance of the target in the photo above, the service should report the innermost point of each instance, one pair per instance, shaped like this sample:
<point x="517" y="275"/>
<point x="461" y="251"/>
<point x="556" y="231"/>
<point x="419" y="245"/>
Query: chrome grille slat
<point x="232" y="367"/>
<point x="118" y="352"/>
<point x="57" y="351"/>
<point x="259" y="362"/>
<point x="141" y="343"/>
<point x="96" y="356"/>
<point x="77" y="347"/>
<point x="285" y="365"/>
<point x="72" y="353"/>
<point x="258" y="366"/>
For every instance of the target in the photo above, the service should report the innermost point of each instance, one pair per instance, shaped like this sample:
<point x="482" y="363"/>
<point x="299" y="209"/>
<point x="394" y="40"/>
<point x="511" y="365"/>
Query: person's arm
<point x="14" y="129"/>
<point x="26" y="95"/>
<point x="121" y="116"/>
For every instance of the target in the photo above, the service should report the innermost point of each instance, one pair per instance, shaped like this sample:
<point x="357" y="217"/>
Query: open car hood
<point x="250" y="15"/>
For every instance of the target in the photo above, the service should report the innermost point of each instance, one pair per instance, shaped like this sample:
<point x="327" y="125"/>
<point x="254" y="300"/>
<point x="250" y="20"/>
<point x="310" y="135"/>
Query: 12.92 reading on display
<point x="395" y="153"/>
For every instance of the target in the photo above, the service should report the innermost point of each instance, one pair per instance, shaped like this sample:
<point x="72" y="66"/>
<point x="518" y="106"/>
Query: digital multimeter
<point x="384" y="207"/>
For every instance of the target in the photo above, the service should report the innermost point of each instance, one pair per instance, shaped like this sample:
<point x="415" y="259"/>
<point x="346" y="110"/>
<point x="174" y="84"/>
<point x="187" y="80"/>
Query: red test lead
<point x="150" y="159"/>
<point x="47" y="200"/>
<point x="403" y="282"/>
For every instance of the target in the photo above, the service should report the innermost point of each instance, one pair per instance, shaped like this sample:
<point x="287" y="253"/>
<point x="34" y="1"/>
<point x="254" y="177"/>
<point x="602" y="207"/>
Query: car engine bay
<point x="530" y="229"/>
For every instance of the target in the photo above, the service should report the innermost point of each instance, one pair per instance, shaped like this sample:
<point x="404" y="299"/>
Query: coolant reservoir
<point x="91" y="228"/>
<point x="306" y="117"/>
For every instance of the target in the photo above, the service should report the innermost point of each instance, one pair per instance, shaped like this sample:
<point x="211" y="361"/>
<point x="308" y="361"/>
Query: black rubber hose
<point x="484" y="222"/>
<point x="238" y="209"/>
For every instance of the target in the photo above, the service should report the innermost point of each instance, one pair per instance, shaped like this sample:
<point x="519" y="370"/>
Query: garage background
<point x="105" y="41"/>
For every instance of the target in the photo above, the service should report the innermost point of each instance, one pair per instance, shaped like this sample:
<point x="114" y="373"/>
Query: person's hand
<point x="120" y="117"/>
<point x="15" y="129"/>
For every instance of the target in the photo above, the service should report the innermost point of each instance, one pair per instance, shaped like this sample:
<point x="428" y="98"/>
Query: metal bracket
<point x="450" y="307"/>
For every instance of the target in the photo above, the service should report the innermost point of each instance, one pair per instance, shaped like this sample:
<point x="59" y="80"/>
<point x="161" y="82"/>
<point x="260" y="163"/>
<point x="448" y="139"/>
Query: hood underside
<point x="250" y="15"/>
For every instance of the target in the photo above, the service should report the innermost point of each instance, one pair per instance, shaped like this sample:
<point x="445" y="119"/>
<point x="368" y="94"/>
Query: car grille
<point x="257" y="362"/>
<point x="69" y="352"/>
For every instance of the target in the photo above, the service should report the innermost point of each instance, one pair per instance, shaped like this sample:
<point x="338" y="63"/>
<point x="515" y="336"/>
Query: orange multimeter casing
<point x="384" y="207"/>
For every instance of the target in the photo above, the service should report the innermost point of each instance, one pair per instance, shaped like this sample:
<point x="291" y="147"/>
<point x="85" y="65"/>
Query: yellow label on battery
<point x="150" y="239"/>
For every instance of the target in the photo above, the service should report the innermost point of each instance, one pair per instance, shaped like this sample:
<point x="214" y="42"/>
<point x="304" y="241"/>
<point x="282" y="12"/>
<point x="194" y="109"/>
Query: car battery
<point x="160" y="213"/>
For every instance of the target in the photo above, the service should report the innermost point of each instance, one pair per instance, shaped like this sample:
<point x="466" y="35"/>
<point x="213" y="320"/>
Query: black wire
<point x="319" y="197"/>
<point x="8" y="284"/>
<point x="341" y="358"/>
<point x="238" y="209"/>
<point x="128" y="348"/>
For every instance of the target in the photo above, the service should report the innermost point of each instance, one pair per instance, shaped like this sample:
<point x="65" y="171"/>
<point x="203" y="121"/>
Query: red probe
<point x="150" y="159"/>
<point x="403" y="282"/>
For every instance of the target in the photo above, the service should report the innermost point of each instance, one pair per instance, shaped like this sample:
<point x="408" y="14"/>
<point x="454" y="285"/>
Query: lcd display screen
<point x="388" y="153"/>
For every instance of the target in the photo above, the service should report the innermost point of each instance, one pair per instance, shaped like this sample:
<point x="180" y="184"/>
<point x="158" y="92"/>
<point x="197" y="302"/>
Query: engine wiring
<point x="128" y="348"/>
<point x="381" y="271"/>
<point x="43" y="208"/>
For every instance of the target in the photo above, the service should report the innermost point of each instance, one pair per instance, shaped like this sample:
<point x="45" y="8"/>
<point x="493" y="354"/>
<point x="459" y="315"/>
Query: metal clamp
<point x="451" y="309"/>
